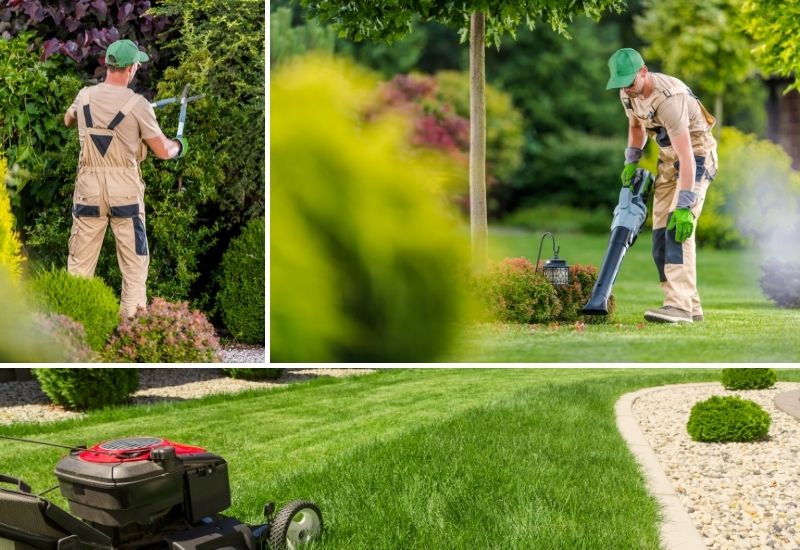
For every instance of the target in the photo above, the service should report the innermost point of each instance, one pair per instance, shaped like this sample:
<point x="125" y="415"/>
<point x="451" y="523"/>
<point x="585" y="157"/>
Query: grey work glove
<point x="632" y="156"/>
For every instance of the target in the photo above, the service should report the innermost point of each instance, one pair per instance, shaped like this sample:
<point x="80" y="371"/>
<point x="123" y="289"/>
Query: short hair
<point x="115" y="69"/>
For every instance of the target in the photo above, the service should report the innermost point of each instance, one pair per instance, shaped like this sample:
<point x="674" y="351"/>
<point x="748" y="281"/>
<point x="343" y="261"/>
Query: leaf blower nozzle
<point x="629" y="217"/>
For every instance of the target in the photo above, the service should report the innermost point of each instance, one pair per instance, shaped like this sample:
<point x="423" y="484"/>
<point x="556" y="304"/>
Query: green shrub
<point x="723" y="419"/>
<point x="84" y="389"/>
<point x="364" y="254"/>
<point x="69" y="337"/>
<point x="89" y="301"/>
<point x="575" y="295"/>
<point x="21" y="339"/>
<point x="165" y="332"/>
<point x="513" y="291"/>
<point x="561" y="218"/>
<point x="243" y="284"/>
<point x="253" y="374"/>
<point x="10" y="246"/>
<point x="748" y="379"/>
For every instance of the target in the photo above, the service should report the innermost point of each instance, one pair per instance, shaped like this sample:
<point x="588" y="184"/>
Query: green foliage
<point x="576" y="294"/>
<point x="771" y="23"/>
<point x="253" y="374"/>
<point x="364" y="254"/>
<point x="287" y="41"/>
<point x="33" y="97"/>
<point x="748" y="379"/>
<point x="243" y="285"/>
<point x="579" y="169"/>
<point x="513" y="291"/>
<point x="85" y="389"/>
<point x="164" y="333"/>
<point x="69" y="337"/>
<point x="699" y="42"/>
<point x="726" y="419"/>
<point x="558" y="218"/>
<point x="754" y="195"/>
<point x="390" y="21"/>
<point x="10" y="246"/>
<point x="89" y="301"/>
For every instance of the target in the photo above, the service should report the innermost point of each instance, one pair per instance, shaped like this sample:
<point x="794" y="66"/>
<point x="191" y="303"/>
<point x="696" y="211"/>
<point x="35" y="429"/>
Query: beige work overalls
<point x="109" y="186"/>
<point x="676" y="262"/>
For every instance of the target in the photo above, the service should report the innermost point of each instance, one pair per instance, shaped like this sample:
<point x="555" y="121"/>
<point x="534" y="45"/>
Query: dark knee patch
<point x="659" y="239"/>
<point x="140" y="236"/>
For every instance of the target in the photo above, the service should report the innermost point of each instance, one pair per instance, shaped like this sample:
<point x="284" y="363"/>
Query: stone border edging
<point x="789" y="402"/>
<point x="678" y="531"/>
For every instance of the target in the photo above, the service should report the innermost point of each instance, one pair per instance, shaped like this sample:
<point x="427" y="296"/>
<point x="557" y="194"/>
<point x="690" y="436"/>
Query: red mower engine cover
<point x="141" y="480"/>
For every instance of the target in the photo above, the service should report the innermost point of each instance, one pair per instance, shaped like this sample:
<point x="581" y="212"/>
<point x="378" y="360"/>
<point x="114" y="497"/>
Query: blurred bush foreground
<point x="366" y="253"/>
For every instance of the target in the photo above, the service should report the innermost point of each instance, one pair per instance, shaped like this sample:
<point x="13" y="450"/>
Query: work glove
<point x="682" y="220"/>
<point x="632" y="156"/>
<point x="184" y="146"/>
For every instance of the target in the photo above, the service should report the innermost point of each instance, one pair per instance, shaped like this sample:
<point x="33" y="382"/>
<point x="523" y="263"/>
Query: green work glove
<point x="632" y="156"/>
<point x="682" y="222"/>
<point x="184" y="146"/>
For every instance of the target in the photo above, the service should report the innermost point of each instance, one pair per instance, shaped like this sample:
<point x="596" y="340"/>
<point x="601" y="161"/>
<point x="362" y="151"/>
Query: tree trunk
<point x="479" y="230"/>
<point x="718" y="113"/>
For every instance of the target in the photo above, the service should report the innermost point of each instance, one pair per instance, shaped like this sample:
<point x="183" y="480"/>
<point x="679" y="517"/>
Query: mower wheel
<point x="296" y="524"/>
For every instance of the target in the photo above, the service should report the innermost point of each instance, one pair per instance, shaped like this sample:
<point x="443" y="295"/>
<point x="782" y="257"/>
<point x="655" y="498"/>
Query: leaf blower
<point x="629" y="217"/>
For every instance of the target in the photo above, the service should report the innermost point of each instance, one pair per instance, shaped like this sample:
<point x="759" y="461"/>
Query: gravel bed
<point x="739" y="495"/>
<point x="240" y="353"/>
<point x="25" y="402"/>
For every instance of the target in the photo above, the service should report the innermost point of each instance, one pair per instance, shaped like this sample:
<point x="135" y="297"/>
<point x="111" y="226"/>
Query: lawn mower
<point x="143" y="493"/>
<point x="629" y="217"/>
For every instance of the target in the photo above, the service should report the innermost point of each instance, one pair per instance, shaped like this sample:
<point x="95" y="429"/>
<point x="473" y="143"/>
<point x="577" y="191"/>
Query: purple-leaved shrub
<point x="165" y="332"/>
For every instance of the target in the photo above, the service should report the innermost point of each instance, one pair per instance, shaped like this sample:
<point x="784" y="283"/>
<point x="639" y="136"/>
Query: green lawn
<point x="741" y="324"/>
<point x="418" y="459"/>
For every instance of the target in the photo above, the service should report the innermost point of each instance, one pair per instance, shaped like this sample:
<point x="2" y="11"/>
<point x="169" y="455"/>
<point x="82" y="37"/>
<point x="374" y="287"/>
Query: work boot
<point x="697" y="317"/>
<point x="668" y="314"/>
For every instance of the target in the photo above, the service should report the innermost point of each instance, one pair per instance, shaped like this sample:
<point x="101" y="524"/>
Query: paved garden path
<point x="25" y="402"/>
<point x="717" y="495"/>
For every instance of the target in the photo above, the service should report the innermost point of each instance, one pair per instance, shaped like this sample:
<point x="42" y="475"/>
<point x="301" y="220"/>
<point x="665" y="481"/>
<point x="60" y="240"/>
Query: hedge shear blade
<point x="170" y="100"/>
<point x="182" y="115"/>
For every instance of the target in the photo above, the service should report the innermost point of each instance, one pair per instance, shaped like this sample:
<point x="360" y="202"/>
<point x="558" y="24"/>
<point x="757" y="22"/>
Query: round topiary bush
<point x="253" y="374"/>
<point x="748" y="379"/>
<point x="575" y="295"/>
<point x="165" y="332"/>
<point x="89" y="301"/>
<point x="513" y="291"/>
<point x="243" y="286"/>
<point x="84" y="389"/>
<point x="69" y="337"/>
<point x="723" y="419"/>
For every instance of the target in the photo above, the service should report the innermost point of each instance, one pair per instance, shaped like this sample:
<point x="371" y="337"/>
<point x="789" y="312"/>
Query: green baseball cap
<point x="124" y="53"/>
<point x="623" y="66"/>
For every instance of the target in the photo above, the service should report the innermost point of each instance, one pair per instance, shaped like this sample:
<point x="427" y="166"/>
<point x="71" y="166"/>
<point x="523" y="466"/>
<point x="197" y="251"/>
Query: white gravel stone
<point x="25" y="402"/>
<point x="739" y="495"/>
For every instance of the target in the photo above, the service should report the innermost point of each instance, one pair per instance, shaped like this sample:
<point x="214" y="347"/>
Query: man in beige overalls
<point x="665" y="109"/>
<point x="114" y="123"/>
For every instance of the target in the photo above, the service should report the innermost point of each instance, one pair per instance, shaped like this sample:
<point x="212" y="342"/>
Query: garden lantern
<point x="555" y="269"/>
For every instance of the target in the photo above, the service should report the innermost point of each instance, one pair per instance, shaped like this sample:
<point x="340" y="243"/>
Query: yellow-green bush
<point x="364" y="255"/>
<point x="754" y="194"/>
<point x="10" y="247"/>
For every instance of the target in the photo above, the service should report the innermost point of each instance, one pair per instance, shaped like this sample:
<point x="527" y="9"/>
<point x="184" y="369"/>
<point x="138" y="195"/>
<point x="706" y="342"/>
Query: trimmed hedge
<point x="243" y="284"/>
<point x="513" y="291"/>
<point x="748" y="379"/>
<point x="89" y="301"/>
<point x="84" y="389"/>
<point x="724" y="419"/>
<point x="253" y="374"/>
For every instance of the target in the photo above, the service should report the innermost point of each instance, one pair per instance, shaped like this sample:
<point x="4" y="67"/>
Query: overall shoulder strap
<point x="130" y="104"/>
<point x="87" y="112"/>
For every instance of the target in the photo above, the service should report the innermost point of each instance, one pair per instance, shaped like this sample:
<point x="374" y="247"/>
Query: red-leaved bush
<point x="575" y="295"/>
<point x="165" y="332"/>
<point x="69" y="336"/>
